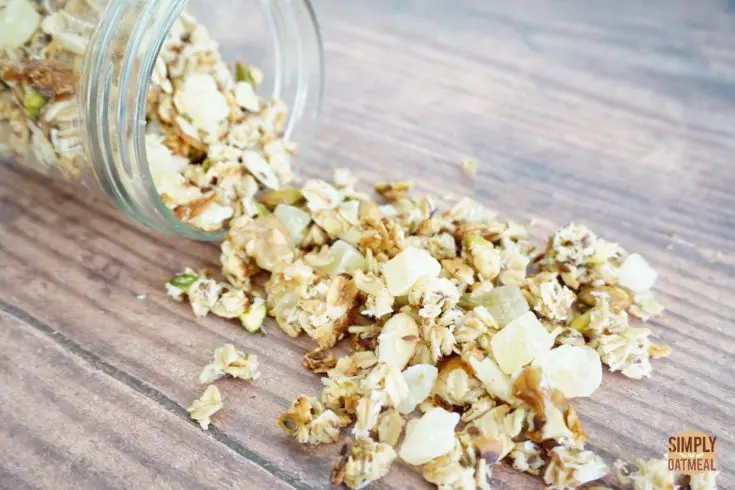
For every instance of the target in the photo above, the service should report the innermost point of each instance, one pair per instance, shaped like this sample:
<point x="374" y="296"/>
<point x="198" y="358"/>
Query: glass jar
<point x="94" y="73"/>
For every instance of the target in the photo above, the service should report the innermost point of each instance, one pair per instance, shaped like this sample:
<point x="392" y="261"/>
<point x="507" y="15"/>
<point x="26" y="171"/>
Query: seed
<point x="287" y="195"/>
<point x="183" y="281"/>
<point x="33" y="102"/>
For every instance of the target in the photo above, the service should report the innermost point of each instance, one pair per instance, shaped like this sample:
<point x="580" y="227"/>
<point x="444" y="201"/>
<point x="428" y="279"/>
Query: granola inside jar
<point x="179" y="112"/>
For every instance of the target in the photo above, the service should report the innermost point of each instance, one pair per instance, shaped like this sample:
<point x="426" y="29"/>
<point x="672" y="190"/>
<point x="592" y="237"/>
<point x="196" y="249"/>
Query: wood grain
<point x="102" y="430"/>
<point x="618" y="115"/>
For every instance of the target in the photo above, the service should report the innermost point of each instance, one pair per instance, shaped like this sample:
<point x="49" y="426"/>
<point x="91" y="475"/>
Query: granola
<point x="208" y="117"/>
<point x="446" y="319"/>
<point x="361" y="462"/>
<point x="308" y="421"/>
<point x="645" y="474"/>
<point x="212" y="141"/>
<point x="450" y="312"/>
<point x="228" y="360"/>
<point x="202" y="409"/>
<point x="570" y="468"/>
<point x="390" y="426"/>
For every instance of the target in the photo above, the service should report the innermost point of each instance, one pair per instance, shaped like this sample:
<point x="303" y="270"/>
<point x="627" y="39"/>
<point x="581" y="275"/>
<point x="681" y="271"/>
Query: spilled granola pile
<point x="468" y="343"/>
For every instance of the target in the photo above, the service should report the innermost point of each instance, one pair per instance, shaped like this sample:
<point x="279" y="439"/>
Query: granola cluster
<point x="468" y="343"/>
<point x="226" y="361"/>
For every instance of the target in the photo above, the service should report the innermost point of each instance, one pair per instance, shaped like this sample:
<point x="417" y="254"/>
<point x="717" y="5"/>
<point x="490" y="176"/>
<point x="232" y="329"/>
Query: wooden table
<point x="620" y="115"/>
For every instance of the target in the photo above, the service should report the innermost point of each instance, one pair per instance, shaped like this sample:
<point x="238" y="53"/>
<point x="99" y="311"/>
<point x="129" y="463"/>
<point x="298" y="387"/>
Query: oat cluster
<point x="227" y="360"/>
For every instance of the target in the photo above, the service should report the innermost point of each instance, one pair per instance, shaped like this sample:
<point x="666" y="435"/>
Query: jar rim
<point x="115" y="97"/>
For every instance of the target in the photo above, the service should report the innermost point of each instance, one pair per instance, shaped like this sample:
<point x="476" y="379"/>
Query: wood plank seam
<point x="72" y="347"/>
<point x="291" y="344"/>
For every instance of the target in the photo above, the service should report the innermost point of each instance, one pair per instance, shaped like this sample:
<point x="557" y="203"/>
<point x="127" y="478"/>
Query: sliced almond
<point x="260" y="168"/>
<point x="397" y="340"/>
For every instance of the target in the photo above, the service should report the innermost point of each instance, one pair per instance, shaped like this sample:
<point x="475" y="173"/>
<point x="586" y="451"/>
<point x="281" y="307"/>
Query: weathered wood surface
<point x="618" y="115"/>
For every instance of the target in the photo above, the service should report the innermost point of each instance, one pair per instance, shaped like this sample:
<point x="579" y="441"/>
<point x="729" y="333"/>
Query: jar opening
<point x="124" y="54"/>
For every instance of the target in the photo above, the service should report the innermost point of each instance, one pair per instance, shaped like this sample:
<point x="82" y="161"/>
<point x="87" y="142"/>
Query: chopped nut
<point x="390" y="426"/>
<point x="397" y="340"/>
<point x="33" y="102"/>
<point x="183" y="281"/>
<point x="287" y="195"/>
<point x="320" y="360"/>
<point x="527" y="457"/>
<point x="243" y="73"/>
<point x="618" y="299"/>
<point x="645" y="307"/>
<point x="393" y="190"/>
